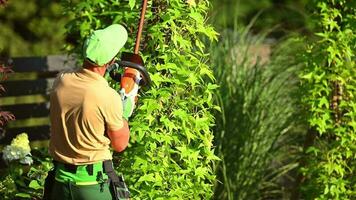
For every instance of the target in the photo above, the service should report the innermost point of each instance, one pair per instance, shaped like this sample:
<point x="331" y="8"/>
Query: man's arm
<point x="120" y="138"/>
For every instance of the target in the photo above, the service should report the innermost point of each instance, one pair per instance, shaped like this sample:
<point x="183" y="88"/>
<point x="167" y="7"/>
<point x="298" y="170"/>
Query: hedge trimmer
<point x="135" y="74"/>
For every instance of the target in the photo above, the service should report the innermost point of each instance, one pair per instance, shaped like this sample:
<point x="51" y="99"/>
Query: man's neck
<point x="94" y="68"/>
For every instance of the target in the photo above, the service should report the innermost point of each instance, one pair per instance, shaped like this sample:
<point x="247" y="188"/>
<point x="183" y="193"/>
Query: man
<point x="86" y="117"/>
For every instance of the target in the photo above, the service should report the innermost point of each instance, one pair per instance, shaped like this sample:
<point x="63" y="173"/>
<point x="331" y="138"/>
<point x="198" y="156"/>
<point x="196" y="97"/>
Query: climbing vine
<point x="170" y="155"/>
<point x="329" y="81"/>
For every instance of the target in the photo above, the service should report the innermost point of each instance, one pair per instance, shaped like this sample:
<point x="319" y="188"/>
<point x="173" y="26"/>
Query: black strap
<point x="109" y="170"/>
<point x="90" y="169"/>
<point x="48" y="185"/>
<point x="118" y="187"/>
<point x="70" y="168"/>
<point x="108" y="166"/>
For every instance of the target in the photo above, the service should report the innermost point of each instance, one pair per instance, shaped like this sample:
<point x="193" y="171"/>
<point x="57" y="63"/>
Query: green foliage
<point x="256" y="135"/>
<point x="24" y="181"/>
<point x="329" y="81"/>
<point x="31" y="28"/>
<point x="7" y="187"/>
<point x="170" y="154"/>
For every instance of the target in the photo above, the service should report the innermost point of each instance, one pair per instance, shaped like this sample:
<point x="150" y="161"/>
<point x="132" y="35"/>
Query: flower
<point x="19" y="149"/>
<point x="21" y="140"/>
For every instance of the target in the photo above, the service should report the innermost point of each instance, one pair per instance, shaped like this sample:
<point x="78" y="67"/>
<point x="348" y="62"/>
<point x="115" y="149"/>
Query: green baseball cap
<point x="103" y="44"/>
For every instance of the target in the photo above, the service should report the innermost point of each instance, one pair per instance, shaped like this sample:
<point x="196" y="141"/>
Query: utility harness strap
<point x="117" y="184"/>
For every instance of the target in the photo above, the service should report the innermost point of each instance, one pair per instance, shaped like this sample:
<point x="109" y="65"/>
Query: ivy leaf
<point x="168" y="123"/>
<point x="206" y="71"/>
<point x="132" y="4"/>
<point x="201" y="172"/>
<point x="212" y="86"/>
<point x="307" y="76"/>
<point x="323" y="103"/>
<point x="192" y="79"/>
<point x="189" y="135"/>
<point x="197" y="17"/>
<point x="147" y="178"/>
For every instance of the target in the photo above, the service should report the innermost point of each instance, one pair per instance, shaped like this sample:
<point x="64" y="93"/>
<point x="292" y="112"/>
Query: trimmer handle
<point x="128" y="62"/>
<point x="146" y="79"/>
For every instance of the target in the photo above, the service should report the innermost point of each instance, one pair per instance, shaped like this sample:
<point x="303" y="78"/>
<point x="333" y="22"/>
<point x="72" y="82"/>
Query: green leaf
<point x="323" y="103"/>
<point x="132" y="4"/>
<point x="201" y="172"/>
<point x="35" y="185"/>
<point x="168" y="123"/>
<point x="197" y="17"/>
<point x="307" y="76"/>
<point x="147" y="178"/>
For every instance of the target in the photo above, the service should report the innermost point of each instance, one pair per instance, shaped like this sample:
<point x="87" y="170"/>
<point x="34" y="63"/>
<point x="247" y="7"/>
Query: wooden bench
<point x="27" y="96"/>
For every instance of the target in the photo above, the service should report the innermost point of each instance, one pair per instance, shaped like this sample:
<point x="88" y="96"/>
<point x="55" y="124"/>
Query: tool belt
<point x="118" y="188"/>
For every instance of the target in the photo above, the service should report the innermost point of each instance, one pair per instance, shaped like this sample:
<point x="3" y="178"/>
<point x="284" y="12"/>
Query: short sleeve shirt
<point x="82" y="108"/>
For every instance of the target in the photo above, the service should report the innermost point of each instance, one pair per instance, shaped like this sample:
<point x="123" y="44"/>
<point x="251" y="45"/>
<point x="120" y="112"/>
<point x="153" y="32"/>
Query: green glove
<point x="128" y="105"/>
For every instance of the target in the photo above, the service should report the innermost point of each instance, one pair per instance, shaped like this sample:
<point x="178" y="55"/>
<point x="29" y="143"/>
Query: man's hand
<point x="128" y="105"/>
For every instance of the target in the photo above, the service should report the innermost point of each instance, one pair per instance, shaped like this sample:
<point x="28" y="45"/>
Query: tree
<point x="170" y="154"/>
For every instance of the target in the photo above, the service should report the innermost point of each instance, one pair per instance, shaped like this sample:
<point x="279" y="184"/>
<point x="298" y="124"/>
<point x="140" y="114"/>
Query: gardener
<point x="86" y="116"/>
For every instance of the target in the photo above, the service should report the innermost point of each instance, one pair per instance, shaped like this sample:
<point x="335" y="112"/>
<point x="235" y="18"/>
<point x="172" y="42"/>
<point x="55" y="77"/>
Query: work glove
<point x="128" y="105"/>
<point x="129" y="100"/>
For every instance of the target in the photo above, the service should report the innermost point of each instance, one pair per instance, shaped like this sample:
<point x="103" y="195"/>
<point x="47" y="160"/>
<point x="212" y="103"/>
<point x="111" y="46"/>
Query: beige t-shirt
<point x="82" y="108"/>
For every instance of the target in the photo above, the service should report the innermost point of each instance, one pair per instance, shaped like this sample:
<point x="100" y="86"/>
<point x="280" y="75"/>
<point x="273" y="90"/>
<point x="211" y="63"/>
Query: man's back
<point x="81" y="104"/>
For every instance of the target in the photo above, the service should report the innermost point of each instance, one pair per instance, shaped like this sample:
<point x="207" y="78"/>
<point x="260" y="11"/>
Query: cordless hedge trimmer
<point x="135" y="74"/>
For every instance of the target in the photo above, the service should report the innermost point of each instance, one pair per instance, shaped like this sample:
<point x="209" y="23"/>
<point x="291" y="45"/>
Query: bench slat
<point x="24" y="111"/>
<point x="25" y="99"/>
<point x="20" y="88"/>
<point x="30" y="122"/>
<point x="24" y="76"/>
<point x="42" y="64"/>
